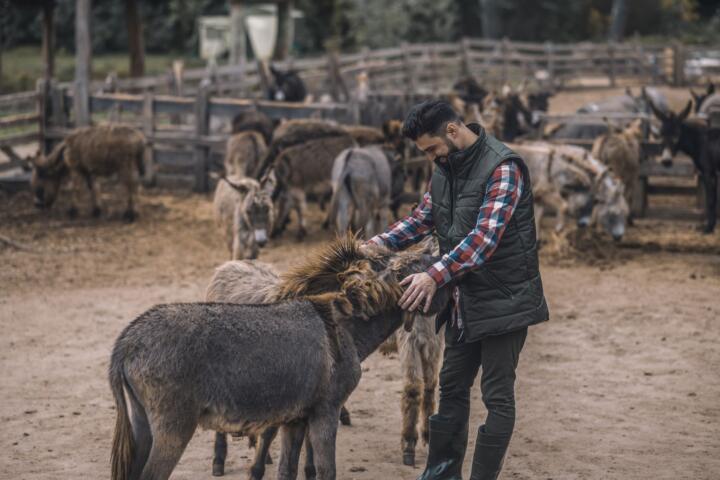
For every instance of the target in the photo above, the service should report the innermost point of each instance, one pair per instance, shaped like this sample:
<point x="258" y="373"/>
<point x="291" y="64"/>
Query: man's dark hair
<point x="431" y="117"/>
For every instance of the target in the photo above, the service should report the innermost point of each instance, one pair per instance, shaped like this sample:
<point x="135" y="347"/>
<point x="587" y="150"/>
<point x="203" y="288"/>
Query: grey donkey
<point x="244" y="213"/>
<point x="242" y="368"/>
<point x="251" y="282"/>
<point x="361" y="184"/>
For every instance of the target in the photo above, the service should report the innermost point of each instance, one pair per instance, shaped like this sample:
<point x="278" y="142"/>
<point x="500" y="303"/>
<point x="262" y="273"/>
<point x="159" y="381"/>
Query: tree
<point x="618" y="20"/>
<point x="285" y="29"/>
<point x="136" y="45"/>
<point x="491" y="19"/>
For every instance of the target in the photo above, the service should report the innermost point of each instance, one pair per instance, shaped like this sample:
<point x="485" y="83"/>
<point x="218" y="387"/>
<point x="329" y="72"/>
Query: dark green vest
<point x="505" y="293"/>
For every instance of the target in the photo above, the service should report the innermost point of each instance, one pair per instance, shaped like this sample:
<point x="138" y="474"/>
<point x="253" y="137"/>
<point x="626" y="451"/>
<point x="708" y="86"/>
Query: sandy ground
<point x="622" y="383"/>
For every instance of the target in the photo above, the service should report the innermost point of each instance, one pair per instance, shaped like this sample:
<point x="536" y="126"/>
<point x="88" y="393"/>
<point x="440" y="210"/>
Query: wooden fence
<point x="433" y="67"/>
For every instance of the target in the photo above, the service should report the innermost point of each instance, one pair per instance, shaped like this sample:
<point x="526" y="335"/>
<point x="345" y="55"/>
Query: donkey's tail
<point x="338" y="184"/>
<point x="122" y="446"/>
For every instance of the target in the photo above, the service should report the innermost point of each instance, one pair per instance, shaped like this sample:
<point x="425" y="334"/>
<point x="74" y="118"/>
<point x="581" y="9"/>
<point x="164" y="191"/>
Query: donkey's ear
<point x="658" y="113"/>
<point x="269" y="182"/>
<point x="242" y="188"/>
<point x="711" y="89"/>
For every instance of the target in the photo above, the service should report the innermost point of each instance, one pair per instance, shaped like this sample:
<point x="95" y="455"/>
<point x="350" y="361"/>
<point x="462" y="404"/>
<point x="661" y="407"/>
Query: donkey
<point x="361" y="183"/>
<point x="251" y="282"/>
<point x="87" y="153"/>
<point x="701" y="143"/>
<point x="620" y="151"/>
<point x="242" y="368"/>
<point x="699" y="98"/>
<point x="287" y="86"/>
<point x="244" y="213"/>
<point x="243" y="153"/>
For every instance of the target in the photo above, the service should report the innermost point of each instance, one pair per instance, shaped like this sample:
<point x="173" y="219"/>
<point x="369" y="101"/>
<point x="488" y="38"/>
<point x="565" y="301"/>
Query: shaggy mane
<point x="342" y="267"/>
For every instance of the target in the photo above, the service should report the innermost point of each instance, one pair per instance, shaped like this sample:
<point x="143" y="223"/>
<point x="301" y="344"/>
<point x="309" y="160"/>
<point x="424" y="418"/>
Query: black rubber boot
<point x="446" y="450"/>
<point x="489" y="454"/>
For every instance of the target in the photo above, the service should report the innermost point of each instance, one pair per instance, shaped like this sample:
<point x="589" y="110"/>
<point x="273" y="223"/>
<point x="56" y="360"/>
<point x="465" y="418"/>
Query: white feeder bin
<point x="262" y="31"/>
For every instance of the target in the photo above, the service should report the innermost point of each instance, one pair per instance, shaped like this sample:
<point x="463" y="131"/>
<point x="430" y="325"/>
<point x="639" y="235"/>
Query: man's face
<point x="438" y="147"/>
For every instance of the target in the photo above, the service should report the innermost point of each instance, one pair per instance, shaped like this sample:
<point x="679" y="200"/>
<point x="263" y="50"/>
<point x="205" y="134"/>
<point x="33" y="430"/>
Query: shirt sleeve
<point x="502" y="195"/>
<point x="409" y="230"/>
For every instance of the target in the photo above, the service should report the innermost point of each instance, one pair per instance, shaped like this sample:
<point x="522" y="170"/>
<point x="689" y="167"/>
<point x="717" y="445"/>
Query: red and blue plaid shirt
<point x="502" y="195"/>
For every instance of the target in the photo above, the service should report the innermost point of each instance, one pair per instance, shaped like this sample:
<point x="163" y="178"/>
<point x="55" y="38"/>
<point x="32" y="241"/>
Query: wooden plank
<point x="19" y="139"/>
<point x="20" y="119"/>
<point x="671" y="190"/>
<point x="15" y="99"/>
<point x="126" y="102"/>
<point x="653" y="169"/>
<point x="175" y="181"/>
<point x="173" y="105"/>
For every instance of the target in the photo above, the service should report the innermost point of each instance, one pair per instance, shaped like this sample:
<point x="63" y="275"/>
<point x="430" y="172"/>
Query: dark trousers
<point x="498" y="356"/>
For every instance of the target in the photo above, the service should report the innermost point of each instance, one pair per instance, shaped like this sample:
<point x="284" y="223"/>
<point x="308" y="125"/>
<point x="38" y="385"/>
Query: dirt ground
<point x="622" y="383"/>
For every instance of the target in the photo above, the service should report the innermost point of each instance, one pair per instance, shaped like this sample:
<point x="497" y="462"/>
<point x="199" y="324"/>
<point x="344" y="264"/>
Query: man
<point x="479" y="205"/>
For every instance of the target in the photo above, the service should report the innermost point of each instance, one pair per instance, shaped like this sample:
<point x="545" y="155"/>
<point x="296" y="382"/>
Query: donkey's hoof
<point x="302" y="233"/>
<point x="409" y="459"/>
<point x="96" y="212"/>
<point x="345" y="418"/>
<point x="218" y="469"/>
<point x="268" y="459"/>
<point x="72" y="212"/>
<point x="310" y="472"/>
<point x="129" y="216"/>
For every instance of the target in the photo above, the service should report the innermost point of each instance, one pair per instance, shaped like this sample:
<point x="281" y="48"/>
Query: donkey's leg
<point x="262" y="453"/>
<point x="131" y="185"/>
<point x="218" y="468"/>
<point x="300" y="205"/>
<point x="310" y="471"/>
<point x="94" y="195"/>
<point x="431" y="365"/>
<point x="75" y="185"/>
<point x="292" y="440"/>
<point x="410" y="402"/>
<point x="322" y="434"/>
<point x="169" y="441"/>
<point x="711" y="185"/>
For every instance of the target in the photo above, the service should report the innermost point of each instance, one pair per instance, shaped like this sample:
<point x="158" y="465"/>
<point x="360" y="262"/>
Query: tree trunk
<point x="618" y="20"/>
<point x="135" y="38"/>
<point x="284" y="31"/>
<point x="48" y="40"/>
<point x="491" y="22"/>
<point x="83" y="54"/>
<point x="237" y="34"/>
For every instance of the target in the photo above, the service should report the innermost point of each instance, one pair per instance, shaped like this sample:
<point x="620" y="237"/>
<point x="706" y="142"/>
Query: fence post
<point x="57" y="100"/>
<point x="202" y="110"/>
<point x="550" y="62"/>
<point x="43" y="109"/>
<point x="82" y="63"/>
<point x="148" y="127"/>
<point x="504" y="52"/>
<point x="466" y="59"/>
<point x="611" y="63"/>
<point x="407" y="68"/>
<point x="678" y="65"/>
<point x="433" y="70"/>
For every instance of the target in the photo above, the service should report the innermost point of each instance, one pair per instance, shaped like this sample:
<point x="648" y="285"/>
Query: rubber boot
<point x="489" y="454"/>
<point x="446" y="450"/>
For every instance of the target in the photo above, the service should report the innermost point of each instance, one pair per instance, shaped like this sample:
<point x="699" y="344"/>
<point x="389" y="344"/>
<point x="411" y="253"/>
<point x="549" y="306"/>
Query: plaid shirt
<point x="502" y="195"/>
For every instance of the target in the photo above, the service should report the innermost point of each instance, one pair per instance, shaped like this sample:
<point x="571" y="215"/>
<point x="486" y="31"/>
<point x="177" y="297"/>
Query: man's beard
<point x="451" y="149"/>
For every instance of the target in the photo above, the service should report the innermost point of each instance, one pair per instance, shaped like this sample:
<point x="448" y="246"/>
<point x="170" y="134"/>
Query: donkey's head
<point x="670" y="130"/>
<point x="368" y="277"/>
<point x="255" y="212"/>
<point x="48" y="173"/>
<point x="699" y="98"/>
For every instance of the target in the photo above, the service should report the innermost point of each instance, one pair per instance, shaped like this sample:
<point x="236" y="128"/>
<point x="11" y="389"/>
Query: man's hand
<point x="421" y="290"/>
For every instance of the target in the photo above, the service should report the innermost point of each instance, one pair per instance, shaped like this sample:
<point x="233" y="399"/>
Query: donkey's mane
<point x="319" y="273"/>
<point x="365" y="277"/>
